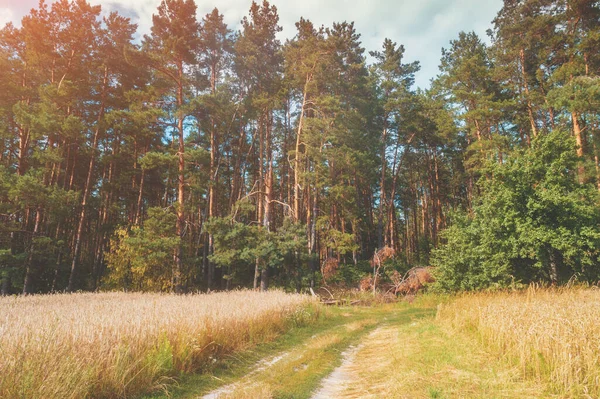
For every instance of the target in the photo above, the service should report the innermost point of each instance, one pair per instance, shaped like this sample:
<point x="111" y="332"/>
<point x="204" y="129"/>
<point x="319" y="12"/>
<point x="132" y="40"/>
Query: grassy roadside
<point x="311" y="353"/>
<point x="237" y="365"/>
<point x="422" y="360"/>
<point x="419" y="357"/>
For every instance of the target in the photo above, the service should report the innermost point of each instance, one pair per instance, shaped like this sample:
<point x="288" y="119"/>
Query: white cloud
<point x="424" y="26"/>
<point x="5" y="16"/>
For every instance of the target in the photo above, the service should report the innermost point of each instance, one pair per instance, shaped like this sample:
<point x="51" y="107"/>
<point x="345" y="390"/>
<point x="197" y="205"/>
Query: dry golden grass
<point x="116" y="345"/>
<point x="553" y="335"/>
<point x="253" y="391"/>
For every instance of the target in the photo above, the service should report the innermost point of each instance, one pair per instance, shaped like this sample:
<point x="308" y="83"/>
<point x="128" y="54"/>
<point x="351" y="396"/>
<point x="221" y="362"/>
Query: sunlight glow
<point x="5" y="16"/>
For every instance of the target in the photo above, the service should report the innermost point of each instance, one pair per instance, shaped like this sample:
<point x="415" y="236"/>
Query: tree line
<point x="199" y="157"/>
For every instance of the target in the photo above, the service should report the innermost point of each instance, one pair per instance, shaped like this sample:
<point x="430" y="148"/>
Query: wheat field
<point x="552" y="334"/>
<point x="115" y="345"/>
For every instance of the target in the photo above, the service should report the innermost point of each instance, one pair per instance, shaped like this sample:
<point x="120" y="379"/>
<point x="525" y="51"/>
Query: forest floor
<point x="388" y="351"/>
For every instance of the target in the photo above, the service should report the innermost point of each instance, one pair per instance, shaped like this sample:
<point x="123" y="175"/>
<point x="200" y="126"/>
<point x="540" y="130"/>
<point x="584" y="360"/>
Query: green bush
<point x="533" y="221"/>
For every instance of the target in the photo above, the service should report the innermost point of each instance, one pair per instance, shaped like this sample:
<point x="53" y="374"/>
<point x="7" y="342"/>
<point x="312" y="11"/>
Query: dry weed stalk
<point x="366" y="283"/>
<point x="329" y="267"/>
<point x="413" y="281"/>
<point x="379" y="258"/>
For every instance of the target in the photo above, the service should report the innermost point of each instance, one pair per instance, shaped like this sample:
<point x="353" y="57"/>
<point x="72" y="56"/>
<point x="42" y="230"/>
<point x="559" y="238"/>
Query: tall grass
<point x="553" y="334"/>
<point x="118" y="345"/>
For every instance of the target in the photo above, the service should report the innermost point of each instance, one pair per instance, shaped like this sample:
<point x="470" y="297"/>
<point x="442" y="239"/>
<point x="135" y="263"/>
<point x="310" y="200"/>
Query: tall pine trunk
<point x="87" y="187"/>
<point x="577" y="132"/>
<point x="527" y="94"/>
<point x="297" y="155"/>
<point x="180" y="227"/>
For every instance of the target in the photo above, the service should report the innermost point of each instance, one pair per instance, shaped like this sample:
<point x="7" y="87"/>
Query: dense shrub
<point x="533" y="221"/>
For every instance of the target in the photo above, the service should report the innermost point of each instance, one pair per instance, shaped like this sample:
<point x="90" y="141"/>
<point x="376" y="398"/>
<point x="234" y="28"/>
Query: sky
<point x="422" y="26"/>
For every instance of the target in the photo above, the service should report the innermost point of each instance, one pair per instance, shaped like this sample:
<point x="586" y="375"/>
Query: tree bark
<point x="138" y="211"/>
<point x="382" y="195"/>
<point x="4" y="286"/>
<point x="297" y="155"/>
<point x="213" y="179"/>
<point x="180" y="226"/>
<point x="596" y="163"/>
<point x="268" y="197"/>
<point x="29" y="274"/>
<point x="87" y="187"/>
<point x="577" y="132"/>
<point x="527" y="95"/>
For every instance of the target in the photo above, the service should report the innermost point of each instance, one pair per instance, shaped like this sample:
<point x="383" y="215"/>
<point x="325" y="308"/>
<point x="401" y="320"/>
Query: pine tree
<point x="171" y="48"/>
<point x="394" y="80"/>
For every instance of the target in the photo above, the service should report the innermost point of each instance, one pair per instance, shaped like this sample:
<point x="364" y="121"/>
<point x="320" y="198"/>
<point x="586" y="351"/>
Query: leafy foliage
<point x="238" y="246"/>
<point x="140" y="258"/>
<point x="533" y="222"/>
